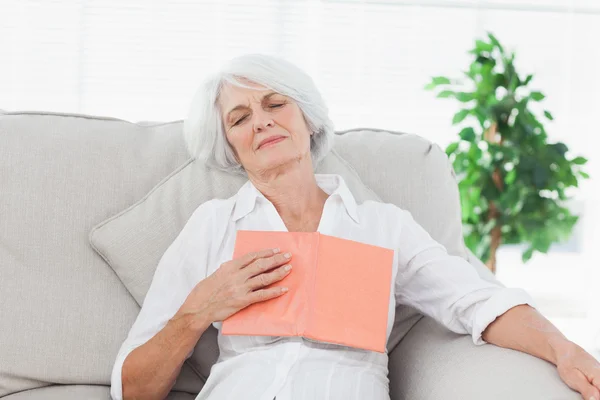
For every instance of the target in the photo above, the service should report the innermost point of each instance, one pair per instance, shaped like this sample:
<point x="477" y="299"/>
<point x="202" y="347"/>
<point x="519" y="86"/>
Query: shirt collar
<point x="332" y="184"/>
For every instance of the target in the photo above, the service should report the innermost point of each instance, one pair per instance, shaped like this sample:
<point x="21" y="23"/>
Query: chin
<point x="280" y="161"/>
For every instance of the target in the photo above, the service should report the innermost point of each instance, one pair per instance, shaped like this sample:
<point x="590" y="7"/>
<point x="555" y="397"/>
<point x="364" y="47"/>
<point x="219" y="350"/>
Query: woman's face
<point x="266" y="129"/>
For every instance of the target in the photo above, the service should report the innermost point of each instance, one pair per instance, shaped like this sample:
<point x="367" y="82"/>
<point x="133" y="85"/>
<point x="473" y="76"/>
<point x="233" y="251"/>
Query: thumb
<point x="577" y="381"/>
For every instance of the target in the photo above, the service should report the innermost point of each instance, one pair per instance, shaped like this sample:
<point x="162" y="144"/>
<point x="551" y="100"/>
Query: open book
<point x="339" y="291"/>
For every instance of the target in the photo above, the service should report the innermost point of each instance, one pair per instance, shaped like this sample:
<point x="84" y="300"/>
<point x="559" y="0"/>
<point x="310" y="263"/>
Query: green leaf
<point x="560" y="148"/>
<point x="510" y="177"/>
<point x="540" y="176"/>
<point x="436" y="81"/>
<point x="542" y="241"/>
<point x="445" y="94"/>
<point x="464" y="96"/>
<point x="440" y="80"/>
<point x="526" y="256"/>
<point x="537" y="96"/>
<point x="480" y="45"/>
<point x="584" y="175"/>
<point x="467" y="134"/>
<point x="481" y="115"/>
<point x="579" y="160"/>
<point x="495" y="41"/>
<point x="548" y="115"/>
<point x="460" y="116"/>
<point x="451" y="148"/>
<point x="527" y="80"/>
<point x="571" y="180"/>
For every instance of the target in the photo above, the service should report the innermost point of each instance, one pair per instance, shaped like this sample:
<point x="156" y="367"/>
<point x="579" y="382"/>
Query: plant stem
<point x="496" y="233"/>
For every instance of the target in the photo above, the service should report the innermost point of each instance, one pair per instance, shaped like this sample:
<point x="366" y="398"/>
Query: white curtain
<point x="143" y="59"/>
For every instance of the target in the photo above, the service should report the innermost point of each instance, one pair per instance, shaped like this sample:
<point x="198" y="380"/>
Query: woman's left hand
<point x="579" y="370"/>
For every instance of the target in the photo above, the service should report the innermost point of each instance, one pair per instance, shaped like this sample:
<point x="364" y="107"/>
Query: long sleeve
<point x="445" y="287"/>
<point x="182" y="266"/>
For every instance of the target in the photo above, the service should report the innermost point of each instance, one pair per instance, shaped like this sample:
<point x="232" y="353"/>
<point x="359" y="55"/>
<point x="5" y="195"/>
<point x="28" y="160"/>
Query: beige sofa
<point x="89" y="204"/>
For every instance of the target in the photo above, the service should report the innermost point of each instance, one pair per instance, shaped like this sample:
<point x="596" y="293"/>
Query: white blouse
<point x="444" y="287"/>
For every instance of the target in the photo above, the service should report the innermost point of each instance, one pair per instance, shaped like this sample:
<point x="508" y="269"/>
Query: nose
<point x="262" y="120"/>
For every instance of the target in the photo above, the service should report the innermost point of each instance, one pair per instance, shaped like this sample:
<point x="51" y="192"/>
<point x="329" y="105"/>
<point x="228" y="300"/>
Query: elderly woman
<point x="263" y="117"/>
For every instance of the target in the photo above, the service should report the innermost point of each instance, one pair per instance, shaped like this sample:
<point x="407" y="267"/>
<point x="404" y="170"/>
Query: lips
<point x="270" y="140"/>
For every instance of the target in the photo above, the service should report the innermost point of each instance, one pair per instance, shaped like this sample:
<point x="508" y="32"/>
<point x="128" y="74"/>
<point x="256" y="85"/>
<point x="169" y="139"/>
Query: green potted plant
<point x="513" y="182"/>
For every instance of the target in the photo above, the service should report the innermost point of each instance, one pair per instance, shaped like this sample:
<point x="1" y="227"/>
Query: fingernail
<point x="592" y="398"/>
<point x="288" y="267"/>
<point x="276" y="250"/>
<point x="287" y="255"/>
<point x="284" y="289"/>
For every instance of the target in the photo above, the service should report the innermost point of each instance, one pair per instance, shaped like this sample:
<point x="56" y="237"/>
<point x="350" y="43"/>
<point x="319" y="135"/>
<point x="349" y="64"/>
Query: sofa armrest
<point x="432" y="363"/>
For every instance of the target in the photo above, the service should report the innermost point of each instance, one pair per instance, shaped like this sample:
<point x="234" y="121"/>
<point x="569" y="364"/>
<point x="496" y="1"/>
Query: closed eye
<point x="245" y="116"/>
<point x="240" y="120"/>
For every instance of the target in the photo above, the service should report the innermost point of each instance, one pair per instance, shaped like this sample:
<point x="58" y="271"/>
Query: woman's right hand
<point x="238" y="283"/>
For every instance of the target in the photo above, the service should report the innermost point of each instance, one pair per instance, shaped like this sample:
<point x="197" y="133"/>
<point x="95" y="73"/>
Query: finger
<point x="594" y="394"/>
<point x="594" y="378"/>
<point x="577" y="381"/>
<point x="266" y="294"/>
<point x="265" y="264"/>
<point x="249" y="258"/>
<point x="265" y="279"/>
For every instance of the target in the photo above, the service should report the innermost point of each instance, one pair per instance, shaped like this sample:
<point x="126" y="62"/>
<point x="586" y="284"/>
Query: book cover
<point x="338" y="291"/>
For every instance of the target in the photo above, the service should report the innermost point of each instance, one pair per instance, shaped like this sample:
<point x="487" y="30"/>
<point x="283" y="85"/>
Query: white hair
<point x="203" y="128"/>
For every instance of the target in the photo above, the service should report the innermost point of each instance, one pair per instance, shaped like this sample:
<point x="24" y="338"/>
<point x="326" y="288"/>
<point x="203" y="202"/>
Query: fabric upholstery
<point x="433" y="363"/>
<point x="79" y="392"/>
<point x="64" y="311"/>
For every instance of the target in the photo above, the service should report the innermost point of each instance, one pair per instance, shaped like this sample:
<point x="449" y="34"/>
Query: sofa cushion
<point x="411" y="172"/>
<point x="64" y="312"/>
<point x="79" y="392"/>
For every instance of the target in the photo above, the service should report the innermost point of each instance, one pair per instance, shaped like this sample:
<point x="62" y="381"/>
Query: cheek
<point x="293" y="120"/>
<point x="240" y="139"/>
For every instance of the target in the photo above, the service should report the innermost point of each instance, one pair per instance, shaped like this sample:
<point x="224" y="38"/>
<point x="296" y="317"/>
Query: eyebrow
<point x="242" y="106"/>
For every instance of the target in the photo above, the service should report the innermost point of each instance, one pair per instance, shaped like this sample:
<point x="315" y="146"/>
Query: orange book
<point x="339" y="291"/>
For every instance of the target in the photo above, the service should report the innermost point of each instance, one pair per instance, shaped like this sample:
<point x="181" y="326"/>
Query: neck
<point x="294" y="192"/>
